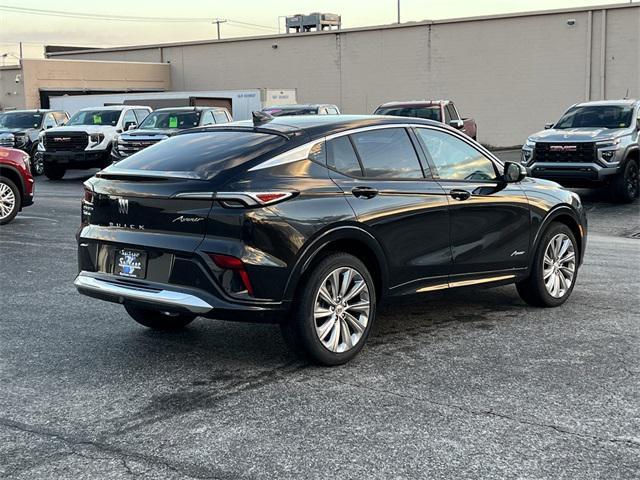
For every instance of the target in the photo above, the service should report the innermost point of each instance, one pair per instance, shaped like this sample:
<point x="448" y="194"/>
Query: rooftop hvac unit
<point x="313" y="22"/>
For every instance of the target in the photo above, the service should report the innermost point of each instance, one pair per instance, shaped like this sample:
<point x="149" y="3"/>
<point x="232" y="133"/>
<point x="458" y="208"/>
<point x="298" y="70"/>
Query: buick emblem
<point x="123" y="206"/>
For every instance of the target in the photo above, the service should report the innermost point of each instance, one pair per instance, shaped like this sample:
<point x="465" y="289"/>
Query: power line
<point x="121" y="18"/>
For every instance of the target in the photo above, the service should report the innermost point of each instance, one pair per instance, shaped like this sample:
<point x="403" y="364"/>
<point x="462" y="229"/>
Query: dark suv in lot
<point x="311" y="221"/>
<point x="21" y="129"/>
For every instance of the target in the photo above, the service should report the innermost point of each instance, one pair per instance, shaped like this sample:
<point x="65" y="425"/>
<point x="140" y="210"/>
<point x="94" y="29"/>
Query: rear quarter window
<point x="202" y="155"/>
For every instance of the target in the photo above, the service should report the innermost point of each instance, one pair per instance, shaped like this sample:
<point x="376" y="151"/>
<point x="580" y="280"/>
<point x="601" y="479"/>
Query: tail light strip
<point x="244" y="199"/>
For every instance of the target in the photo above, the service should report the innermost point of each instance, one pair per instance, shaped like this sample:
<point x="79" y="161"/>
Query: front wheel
<point x="555" y="269"/>
<point x="626" y="185"/>
<point x="37" y="163"/>
<point x="9" y="200"/>
<point x="334" y="311"/>
<point x="159" y="320"/>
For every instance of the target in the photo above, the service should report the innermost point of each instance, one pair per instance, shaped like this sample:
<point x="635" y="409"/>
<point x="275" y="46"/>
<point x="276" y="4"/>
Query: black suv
<point x="301" y="109"/>
<point x="20" y="129"/>
<point x="164" y="123"/>
<point x="311" y="221"/>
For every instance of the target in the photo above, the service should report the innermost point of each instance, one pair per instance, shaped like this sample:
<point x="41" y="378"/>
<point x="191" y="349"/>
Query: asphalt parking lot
<point x="471" y="384"/>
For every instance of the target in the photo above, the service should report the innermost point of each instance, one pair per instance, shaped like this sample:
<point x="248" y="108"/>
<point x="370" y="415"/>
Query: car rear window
<point x="202" y="154"/>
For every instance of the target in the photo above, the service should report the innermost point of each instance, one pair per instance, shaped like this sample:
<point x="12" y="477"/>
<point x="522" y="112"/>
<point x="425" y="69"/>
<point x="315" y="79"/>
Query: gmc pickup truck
<point x="87" y="138"/>
<point x="593" y="144"/>
<point x="443" y="111"/>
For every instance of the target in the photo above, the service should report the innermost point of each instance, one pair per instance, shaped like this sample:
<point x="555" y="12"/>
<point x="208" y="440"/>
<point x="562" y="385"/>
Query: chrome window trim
<point x="302" y="152"/>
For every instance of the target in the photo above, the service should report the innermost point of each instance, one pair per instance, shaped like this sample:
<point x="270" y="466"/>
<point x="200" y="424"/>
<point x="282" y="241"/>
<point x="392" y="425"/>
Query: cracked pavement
<point x="463" y="384"/>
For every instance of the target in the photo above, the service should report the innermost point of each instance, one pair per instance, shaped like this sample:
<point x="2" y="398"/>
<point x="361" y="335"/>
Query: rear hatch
<point x="161" y="197"/>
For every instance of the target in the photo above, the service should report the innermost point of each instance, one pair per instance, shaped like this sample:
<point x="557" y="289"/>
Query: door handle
<point x="364" y="192"/>
<point x="461" y="195"/>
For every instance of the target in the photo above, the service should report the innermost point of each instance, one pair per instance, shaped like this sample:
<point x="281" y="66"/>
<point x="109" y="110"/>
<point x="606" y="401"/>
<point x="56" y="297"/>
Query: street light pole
<point x="398" y="11"/>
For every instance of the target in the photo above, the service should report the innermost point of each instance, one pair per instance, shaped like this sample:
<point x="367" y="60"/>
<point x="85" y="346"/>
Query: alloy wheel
<point x="38" y="164"/>
<point x="7" y="201"/>
<point x="341" y="309"/>
<point x="559" y="265"/>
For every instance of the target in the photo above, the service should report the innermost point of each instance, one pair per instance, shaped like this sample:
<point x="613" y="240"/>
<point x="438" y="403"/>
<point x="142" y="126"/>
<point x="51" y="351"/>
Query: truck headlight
<point x="527" y="151"/>
<point x="20" y="140"/>
<point x="96" y="138"/>
<point x="609" y="144"/>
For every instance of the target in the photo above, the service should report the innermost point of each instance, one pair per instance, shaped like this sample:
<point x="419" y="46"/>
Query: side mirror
<point x="457" y="124"/>
<point x="547" y="126"/>
<point x="130" y="126"/>
<point x="514" y="172"/>
<point x="47" y="127"/>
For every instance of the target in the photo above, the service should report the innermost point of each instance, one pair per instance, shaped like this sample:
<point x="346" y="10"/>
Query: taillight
<point x="88" y="195"/>
<point x="235" y="266"/>
<point x="251" y="199"/>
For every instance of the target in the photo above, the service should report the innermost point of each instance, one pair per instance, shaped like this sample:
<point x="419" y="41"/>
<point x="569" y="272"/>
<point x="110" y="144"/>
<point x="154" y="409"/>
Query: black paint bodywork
<point x="413" y="235"/>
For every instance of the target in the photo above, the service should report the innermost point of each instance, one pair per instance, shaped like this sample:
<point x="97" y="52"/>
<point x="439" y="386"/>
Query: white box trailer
<point x="239" y="102"/>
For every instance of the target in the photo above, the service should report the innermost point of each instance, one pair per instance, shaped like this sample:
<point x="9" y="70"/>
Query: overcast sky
<point x="36" y="30"/>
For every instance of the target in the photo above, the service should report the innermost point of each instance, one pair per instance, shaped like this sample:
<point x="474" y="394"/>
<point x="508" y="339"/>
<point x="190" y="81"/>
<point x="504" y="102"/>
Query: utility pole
<point x="217" y="21"/>
<point x="398" y="11"/>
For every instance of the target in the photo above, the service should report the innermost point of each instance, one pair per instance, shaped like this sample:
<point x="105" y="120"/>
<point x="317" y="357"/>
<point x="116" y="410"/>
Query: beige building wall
<point x="11" y="93"/>
<point x="512" y="73"/>
<point x="91" y="75"/>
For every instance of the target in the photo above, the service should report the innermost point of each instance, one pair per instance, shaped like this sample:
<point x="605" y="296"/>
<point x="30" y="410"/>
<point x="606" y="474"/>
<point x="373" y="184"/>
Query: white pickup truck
<point x="87" y="139"/>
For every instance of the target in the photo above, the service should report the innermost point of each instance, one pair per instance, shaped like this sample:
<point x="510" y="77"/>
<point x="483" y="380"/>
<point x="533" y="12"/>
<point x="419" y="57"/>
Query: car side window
<point x="220" y="116"/>
<point x="207" y="118"/>
<point x="453" y="115"/>
<point x="141" y="115"/>
<point x="129" y="118"/>
<point x="49" y="121"/>
<point x="387" y="153"/>
<point x="454" y="158"/>
<point x="60" y="117"/>
<point x="342" y="157"/>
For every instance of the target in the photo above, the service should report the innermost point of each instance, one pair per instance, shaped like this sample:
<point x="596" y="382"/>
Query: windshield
<point x="95" y="117"/>
<point x="282" y="112"/>
<point x="167" y="120"/>
<point x="430" y="113"/>
<point x="600" y="116"/>
<point x="20" y="120"/>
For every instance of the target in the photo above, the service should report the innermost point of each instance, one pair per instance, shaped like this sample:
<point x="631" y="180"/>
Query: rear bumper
<point x="83" y="159"/>
<point x="170" y="297"/>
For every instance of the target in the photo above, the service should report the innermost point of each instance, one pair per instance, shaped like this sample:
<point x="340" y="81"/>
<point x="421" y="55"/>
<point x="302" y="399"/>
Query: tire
<point x="341" y="329"/>
<point x="10" y="200"/>
<point x="54" y="172"/>
<point x="540" y="293"/>
<point x="159" y="320"/>
<point x="626" y="184"/>
<point x="37" y="163"/>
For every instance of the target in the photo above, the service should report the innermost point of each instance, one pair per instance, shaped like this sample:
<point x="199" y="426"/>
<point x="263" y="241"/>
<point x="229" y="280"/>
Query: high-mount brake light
<point x="227" y="262"/>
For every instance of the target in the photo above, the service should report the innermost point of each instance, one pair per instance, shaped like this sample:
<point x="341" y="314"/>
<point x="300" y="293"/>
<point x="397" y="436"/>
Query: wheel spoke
<point x="355" y="290"/>
<point x="346" y="334"/>
<point x="334" y="340"/>
<point x="335" y="283"/>
<point x="322" y="312"/>
<point x="359" y="307"/>
<point x="547" y="273"/>
<point x="326" y="296"/>
<point x="324" y="329"/>
<point x="568" y="257"/>
<point x="355" y="323"/>
<point x="346" y="281"/>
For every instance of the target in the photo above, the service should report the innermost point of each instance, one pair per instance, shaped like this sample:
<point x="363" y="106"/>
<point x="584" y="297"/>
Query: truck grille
<point x="565" y="152"/>
<point x="128" y="147"/>
<point x="66" y="142"/>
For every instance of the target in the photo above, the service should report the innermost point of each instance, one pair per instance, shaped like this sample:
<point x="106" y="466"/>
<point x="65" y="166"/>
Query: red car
<point x="439" y="110"/>
<point x="16" y="183"/>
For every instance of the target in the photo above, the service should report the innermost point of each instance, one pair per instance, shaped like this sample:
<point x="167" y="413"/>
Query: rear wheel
<point x="10" y="200"/>
<point x="335" y="309"/>
<point x="159" y="320"/>
<point x="54" y="172"/>
<point x="626" y="185"/>
<point x="554" y="271"/>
